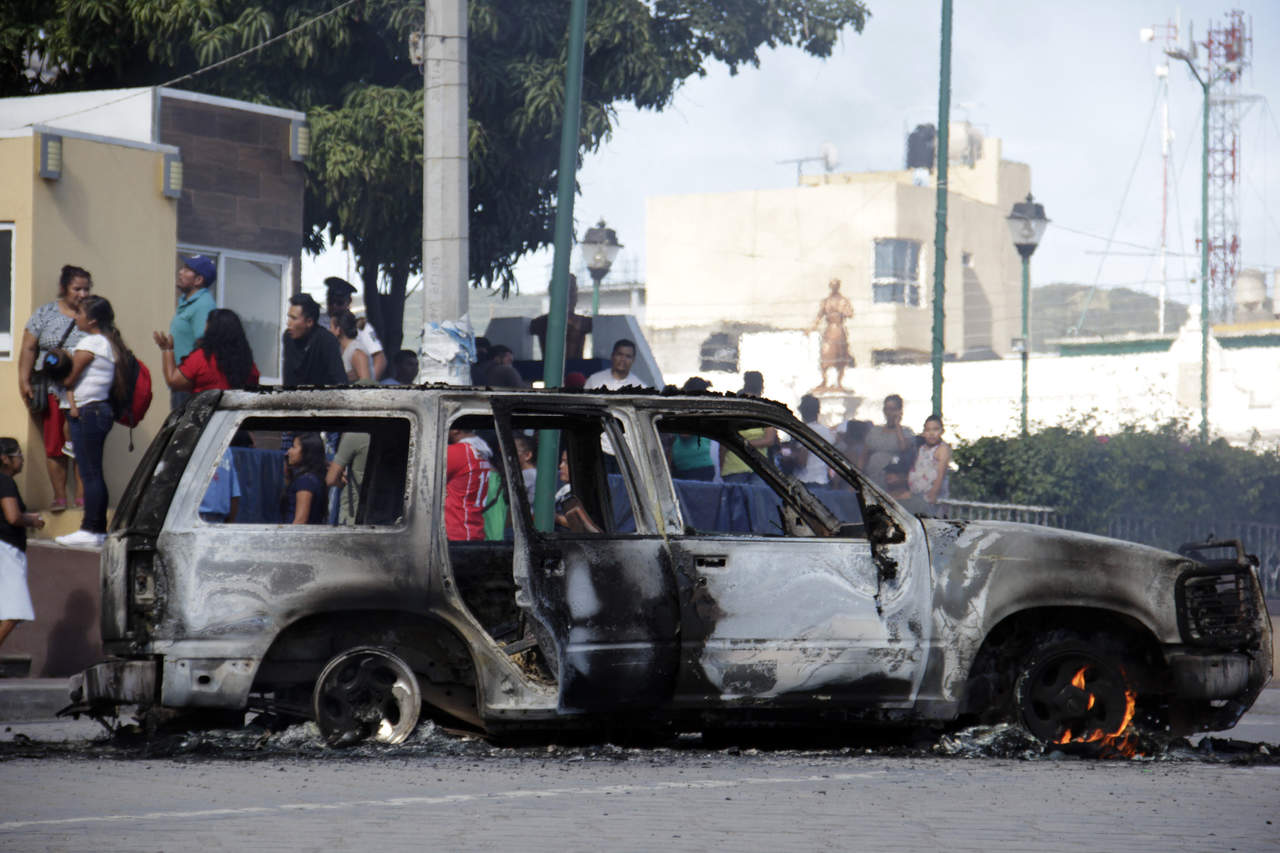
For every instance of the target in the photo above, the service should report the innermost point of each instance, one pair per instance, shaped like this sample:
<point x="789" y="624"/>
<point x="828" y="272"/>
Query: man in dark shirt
<point x="312" y="355"/>
<point x="577" y="326"/>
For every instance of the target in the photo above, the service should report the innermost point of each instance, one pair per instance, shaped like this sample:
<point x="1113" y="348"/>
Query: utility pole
<point x="940" y="232"/>
<point x="445" y="206"/>
<point x="1206" y="83"/>
<point x="558" y="314"/>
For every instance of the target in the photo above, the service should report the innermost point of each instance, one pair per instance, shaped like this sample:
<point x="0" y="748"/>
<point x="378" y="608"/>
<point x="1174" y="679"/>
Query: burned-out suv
<point x="654" y="600"/>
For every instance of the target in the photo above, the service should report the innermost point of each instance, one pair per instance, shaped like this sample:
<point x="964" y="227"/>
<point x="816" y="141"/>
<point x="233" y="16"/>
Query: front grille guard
<point x="1218" y="601"/>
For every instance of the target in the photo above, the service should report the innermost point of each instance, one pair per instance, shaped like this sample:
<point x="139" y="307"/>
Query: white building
<point x="726" y="263"/>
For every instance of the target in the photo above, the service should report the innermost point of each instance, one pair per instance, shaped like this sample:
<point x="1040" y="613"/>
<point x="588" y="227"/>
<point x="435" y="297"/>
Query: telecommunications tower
<point x="1228" y="50"/>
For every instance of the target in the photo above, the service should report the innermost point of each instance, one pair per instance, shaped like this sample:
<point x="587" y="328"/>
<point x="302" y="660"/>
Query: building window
<point x="257" y="287"/>
<point x="897" y="275"/>
<point x="6" y="290"/>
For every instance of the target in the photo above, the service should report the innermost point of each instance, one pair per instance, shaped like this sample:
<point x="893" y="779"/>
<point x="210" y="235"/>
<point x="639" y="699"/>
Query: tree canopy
<point x="351" y="73"/>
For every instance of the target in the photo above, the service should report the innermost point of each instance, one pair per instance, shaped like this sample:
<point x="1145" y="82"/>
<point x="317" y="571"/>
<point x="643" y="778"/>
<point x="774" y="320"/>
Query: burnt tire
<point x="366" y="693"/>
<point x="1076" y="689"/>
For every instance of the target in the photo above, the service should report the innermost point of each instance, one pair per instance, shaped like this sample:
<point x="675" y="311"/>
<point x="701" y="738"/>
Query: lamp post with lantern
<point x="599" y="249"/>
<point x="1026" y="224"/>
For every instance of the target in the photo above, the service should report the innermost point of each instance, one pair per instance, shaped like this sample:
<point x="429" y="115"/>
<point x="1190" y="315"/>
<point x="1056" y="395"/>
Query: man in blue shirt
<point x="195" y="301"/>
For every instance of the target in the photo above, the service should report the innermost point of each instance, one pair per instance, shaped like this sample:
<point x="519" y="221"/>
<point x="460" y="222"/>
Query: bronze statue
<point x="834" y="311"/>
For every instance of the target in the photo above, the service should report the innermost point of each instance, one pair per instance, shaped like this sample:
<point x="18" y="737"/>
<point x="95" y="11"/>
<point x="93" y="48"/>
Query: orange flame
<point x="1120" y="741"/>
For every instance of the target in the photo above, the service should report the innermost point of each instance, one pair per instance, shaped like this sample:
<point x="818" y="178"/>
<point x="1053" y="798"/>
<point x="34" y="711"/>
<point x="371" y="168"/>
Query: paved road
<point x="223" y="792"/>
<point x="638" y="802"/>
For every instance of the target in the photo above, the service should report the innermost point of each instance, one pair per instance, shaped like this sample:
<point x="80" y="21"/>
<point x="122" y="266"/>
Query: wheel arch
<point x="436" y="651"/>
<point x="989" y="684"/>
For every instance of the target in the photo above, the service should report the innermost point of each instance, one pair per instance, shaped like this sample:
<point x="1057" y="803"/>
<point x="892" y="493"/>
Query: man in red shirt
<point x="466" y="485"/>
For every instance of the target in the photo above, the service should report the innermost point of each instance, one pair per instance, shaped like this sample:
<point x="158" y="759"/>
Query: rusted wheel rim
<point x="366" y="693"/>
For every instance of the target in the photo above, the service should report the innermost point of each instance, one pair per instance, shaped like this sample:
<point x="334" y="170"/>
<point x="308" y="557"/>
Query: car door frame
<point x="783" y="656"/>
<point x="604" y="607"/>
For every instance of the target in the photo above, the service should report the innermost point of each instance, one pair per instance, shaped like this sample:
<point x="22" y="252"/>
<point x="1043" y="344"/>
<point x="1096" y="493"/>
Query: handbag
<point x="56" y="364"/>
<point x="38" y="403"/>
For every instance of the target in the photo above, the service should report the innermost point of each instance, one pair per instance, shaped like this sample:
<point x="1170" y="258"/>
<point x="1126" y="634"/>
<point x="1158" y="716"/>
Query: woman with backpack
<point x="95" y="381"/>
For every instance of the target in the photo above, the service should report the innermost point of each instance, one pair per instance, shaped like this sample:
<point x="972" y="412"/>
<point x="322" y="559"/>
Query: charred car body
<point x="676" y="601"/>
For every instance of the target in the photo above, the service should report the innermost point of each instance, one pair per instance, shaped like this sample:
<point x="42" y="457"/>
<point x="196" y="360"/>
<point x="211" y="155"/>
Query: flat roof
<point x="117" y="114"/>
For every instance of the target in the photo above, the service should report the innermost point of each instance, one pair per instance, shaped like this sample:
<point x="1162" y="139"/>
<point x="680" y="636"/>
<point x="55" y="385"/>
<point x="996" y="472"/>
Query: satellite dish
<point x="830" y="156"/>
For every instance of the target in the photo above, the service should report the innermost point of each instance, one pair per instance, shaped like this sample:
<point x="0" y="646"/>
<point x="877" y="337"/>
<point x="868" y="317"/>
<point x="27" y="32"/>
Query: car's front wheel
<point x="1073" y="689"/>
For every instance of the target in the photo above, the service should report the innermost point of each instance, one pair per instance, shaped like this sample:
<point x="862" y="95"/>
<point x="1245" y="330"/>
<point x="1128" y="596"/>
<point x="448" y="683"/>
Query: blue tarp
<point x="261" y="474"/>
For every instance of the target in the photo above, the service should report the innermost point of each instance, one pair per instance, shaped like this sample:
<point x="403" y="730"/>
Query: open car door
<point x="599" y="588"/>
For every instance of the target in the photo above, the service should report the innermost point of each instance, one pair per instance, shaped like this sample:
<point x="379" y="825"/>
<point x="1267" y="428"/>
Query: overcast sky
<point x="1068" y="87"/>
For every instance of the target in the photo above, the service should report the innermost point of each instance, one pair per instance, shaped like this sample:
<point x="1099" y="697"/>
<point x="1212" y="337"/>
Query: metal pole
<point x="1026" y="334"/>
<point x="940" y="232"/>
<point x="1204" y="265"/>
<point x="558" y="315"/>
<point x="595" y="295"/>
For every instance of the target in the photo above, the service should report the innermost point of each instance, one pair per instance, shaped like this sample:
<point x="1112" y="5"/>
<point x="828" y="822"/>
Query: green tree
<point x="350" y="69"/>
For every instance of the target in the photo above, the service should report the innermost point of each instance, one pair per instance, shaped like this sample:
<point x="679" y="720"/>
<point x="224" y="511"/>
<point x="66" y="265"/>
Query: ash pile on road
<point x="1010" y="741"/>
<point x="430" y="740"/>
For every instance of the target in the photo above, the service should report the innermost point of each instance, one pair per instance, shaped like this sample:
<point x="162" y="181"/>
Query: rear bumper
<point x="172" y="683"/>
<point x="116" y="682"/>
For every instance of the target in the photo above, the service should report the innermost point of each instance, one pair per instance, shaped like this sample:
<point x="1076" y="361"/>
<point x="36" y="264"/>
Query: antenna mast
<point x="1228" y="51"/>
<point x="1170" y="33"/>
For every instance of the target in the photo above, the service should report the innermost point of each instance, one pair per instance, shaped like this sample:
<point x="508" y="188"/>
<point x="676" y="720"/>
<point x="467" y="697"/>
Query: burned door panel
<point x="600" y="587"/>
<point x="611" y="609"/>
<point x="785" y="597"/>
<point x="772" y="619"/>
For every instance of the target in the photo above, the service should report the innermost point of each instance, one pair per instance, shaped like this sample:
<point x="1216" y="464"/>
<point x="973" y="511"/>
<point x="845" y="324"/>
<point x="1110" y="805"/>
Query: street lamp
<point x="599" y="247"/>
<point x="1205" y="84"/>
<point x="1026" y="223"/>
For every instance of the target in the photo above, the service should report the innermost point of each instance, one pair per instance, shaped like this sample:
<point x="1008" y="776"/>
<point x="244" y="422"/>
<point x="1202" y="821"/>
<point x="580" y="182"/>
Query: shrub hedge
<point x="1162" y="472"/>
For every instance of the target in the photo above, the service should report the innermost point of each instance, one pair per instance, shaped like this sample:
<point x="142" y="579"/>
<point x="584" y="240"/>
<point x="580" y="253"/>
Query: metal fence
<point x="1045" y="516"/>
<point x="1262" y="540"/>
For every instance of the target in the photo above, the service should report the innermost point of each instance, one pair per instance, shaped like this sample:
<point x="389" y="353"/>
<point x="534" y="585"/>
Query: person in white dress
<point x="15" y="597"/>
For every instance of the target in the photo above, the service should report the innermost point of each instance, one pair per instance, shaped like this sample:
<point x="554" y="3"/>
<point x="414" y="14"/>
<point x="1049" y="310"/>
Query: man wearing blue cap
<point x="195" y="302"/>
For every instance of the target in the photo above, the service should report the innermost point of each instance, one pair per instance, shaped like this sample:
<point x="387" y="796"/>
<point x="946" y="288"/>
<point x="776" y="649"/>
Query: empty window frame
<point x="6" y="290"/>
<point x="762" y="489"/>
<point x="594" y="495"/>
<point x="353" y="470"/>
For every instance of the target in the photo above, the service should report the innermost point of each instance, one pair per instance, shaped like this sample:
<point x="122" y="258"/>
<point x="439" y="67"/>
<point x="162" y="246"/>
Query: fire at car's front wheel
<point x="366" y="693"/>
<point x="1077" y="690"/>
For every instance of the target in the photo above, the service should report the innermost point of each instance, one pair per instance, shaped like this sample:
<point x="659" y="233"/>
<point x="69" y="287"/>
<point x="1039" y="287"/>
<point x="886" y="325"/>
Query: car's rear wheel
<point x="366" y="693"/>
<point x="1076" y="690"/>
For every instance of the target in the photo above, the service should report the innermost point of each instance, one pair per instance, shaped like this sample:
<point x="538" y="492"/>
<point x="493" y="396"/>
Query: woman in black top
<point x="306" y="498"/>
<point x="15" y="598"/>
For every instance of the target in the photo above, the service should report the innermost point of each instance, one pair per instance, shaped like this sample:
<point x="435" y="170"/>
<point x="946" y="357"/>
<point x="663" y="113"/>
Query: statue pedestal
<point x="836" y="405"/>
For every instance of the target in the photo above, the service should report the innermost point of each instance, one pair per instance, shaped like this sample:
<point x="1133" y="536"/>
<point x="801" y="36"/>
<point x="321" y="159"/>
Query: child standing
<point x="927" y="478"/>
<point x="15" y="597"/>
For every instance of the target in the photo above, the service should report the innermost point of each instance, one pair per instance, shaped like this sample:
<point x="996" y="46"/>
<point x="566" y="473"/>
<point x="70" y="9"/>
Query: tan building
<point x="124" y="183"/>
<point x="724" y="263"/>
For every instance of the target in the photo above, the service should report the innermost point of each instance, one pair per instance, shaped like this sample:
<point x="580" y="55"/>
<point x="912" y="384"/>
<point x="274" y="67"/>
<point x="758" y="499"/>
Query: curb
<point x="25" y="699"/>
